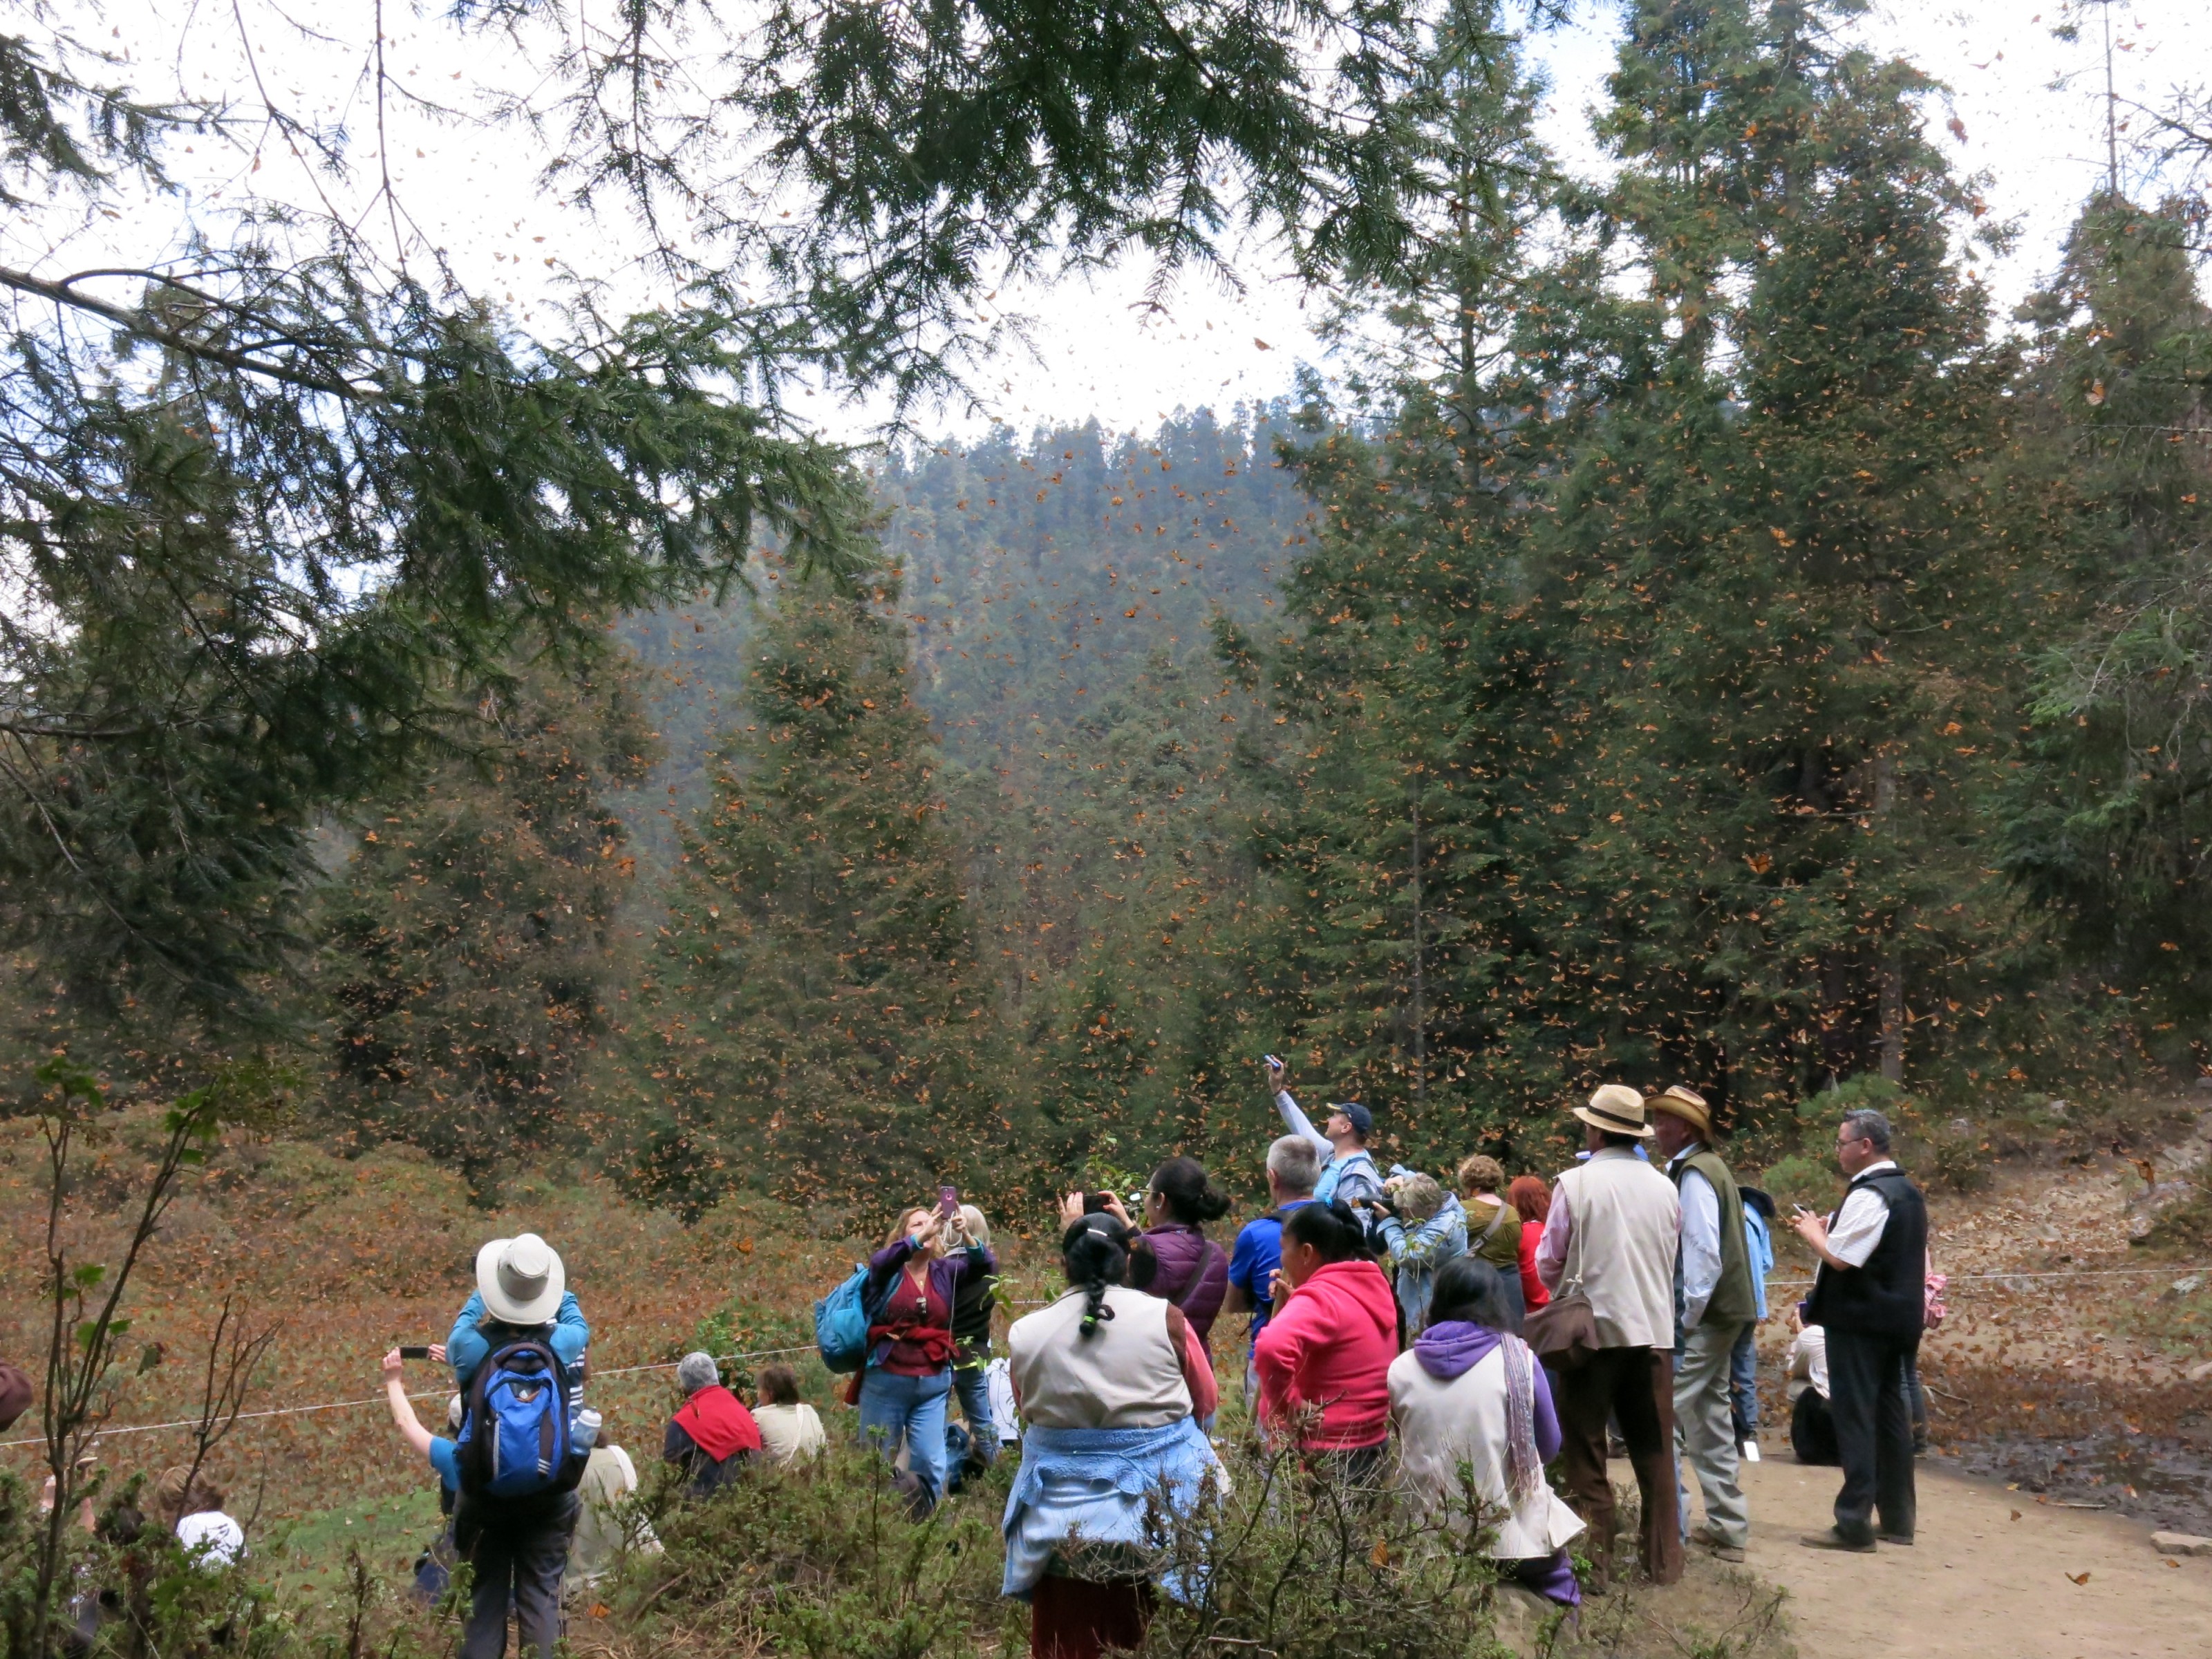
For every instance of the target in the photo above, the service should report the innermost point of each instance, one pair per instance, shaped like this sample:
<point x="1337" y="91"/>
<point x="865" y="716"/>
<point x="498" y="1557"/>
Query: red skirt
<point x="1077" y="1618"/>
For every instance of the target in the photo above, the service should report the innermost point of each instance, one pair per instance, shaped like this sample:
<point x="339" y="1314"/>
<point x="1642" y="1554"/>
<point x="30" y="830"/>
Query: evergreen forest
<point x="1689" y="634"/>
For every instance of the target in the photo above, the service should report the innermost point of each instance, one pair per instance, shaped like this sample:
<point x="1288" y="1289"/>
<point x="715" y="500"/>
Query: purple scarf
<point x="1451" y="1350"/>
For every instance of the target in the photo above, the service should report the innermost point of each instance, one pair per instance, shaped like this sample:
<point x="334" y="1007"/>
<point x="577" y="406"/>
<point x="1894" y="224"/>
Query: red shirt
<point x="1330" y="1345"/>
<point x="1533" y="1293"/>
<point x="919" y="1309"/>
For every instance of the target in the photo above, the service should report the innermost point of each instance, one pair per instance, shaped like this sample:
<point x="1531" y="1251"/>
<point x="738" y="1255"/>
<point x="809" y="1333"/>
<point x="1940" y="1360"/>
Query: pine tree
<point x="469" y="944"/>
<point x="2107" y="823"/>
<point x="811" y="1021"/>
<point x="1783" y="545"/>
<point x="1400" y="815"/>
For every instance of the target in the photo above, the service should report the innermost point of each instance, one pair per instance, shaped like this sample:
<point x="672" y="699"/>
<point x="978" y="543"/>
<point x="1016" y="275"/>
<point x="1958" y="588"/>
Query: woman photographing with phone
<point x="913" y="1282"/>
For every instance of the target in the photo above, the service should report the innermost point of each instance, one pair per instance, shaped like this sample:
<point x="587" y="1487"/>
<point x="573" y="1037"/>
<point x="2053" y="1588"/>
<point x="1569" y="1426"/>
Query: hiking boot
<point x="1833" y="1540"/>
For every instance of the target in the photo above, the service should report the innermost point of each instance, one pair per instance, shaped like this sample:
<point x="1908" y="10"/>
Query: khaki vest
<point x="1126" y="1375"/>
<point x="1626" y="1229"/>
<point x="1734" y="1302"/>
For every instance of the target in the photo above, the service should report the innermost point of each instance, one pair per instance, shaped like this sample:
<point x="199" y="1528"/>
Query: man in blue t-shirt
<point x="1292" y="1168"/>
<point x="444" y="1454"/>
<point x="517" y="1547"/>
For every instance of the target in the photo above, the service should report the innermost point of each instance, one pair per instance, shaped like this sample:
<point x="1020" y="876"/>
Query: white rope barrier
<point x="99" y="1435"/>
<point x="2179" y="1270"/>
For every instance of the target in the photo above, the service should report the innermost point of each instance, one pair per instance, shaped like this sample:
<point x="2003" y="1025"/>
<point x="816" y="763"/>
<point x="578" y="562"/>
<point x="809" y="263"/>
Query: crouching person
<point x="712" y="1435"/>
<point x="1110" y="1383"/>
<point x="1473" y="1409"/>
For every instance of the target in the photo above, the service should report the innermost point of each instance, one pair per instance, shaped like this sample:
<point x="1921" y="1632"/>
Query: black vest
<point x="1887" y="1296"/>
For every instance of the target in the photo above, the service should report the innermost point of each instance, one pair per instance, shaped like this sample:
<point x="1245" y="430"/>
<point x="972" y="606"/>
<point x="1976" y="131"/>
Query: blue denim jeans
<point x="1743" y="1384"/>
<point x="973" y="1388"/>
<point x="910" y="1411"/>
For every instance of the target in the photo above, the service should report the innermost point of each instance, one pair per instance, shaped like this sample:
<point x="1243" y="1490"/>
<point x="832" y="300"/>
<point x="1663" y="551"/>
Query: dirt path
<point x="1980" y="1584"/>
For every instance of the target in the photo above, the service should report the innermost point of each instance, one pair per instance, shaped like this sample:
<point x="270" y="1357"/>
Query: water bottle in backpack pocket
<point x="517" y="1439"/>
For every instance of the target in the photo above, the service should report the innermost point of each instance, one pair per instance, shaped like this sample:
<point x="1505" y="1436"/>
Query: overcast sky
<point x="2031" y="107"/>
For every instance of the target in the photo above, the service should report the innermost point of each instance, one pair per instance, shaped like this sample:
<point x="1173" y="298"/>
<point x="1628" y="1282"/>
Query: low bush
<point x="1800" y="1179"/>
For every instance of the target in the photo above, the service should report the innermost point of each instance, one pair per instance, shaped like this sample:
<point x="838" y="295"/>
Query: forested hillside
<point x="1692" y="638"/>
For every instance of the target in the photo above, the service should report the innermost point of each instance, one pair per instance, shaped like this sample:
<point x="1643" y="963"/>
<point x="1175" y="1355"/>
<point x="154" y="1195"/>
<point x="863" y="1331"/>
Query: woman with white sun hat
<point x="521" y="1289"/>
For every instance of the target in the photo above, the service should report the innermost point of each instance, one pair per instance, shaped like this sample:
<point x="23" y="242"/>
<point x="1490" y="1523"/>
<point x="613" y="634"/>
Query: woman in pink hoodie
<point x="1324" y="1358"/>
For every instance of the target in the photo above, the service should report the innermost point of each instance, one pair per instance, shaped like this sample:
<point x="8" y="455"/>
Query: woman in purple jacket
<point x="909" y="1296"/>
<point x="1193" y="1272"/>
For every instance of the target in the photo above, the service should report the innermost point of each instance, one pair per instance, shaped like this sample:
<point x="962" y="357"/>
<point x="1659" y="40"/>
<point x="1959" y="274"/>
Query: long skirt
<point x="1080" y="1618"/>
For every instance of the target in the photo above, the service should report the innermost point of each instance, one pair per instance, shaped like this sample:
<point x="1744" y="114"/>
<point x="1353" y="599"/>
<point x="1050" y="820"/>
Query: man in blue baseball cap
<point x="1347" y="1170"/>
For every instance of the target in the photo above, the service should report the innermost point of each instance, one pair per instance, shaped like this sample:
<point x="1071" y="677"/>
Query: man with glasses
<point x="1869" y="1296"/>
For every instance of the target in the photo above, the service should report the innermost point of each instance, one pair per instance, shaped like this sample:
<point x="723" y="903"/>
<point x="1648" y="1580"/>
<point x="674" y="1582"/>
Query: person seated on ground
<point x="1812" y="1424"/>
<point x="1325" y="1356"/>
<point x="1422" y="1227"/>
<point x="522" y="1291"/>
<point x="1193" y="1271"/>
<point x="1531" y="1199"/>
<point x="1475" y="1425"/>
<point x="790" y="1429"/>
<point x="712" y="1435"/>
<point x="1348" y="1168"/>
<point x="912" y="1284"/>
<point x="601" y="1533"/>
<point x="1109" y="1382"/>
<point x="974" y="1300"/>
<point x="169" y="1488"/>
<point x="212" y="1539"/>
<point x="125" y="1596"/>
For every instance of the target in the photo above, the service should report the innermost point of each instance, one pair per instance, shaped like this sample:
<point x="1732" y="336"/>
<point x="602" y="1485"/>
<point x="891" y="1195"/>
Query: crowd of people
<point x="1484" y="1344"/>
<point x="1487" y="1343"/>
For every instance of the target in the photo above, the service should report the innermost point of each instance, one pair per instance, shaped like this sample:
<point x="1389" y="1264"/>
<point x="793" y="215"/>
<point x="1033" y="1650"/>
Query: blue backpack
<point x="840" y="1324"/>
<point x="515" y="1440"/>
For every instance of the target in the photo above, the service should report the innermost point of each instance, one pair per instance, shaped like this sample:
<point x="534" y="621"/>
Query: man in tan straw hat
<point x="1716" y="1301"/>
<point x="1613" y="1233"/>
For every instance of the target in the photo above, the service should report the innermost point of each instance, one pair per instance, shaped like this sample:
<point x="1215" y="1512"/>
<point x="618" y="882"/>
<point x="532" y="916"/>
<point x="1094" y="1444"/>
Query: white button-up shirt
<point x="1858" y="1224"/>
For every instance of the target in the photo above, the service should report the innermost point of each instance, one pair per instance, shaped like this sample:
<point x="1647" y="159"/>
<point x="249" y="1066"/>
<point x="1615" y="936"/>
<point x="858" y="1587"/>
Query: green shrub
<point x="1800" y="1179"/>
<point x="825" y="1561"/>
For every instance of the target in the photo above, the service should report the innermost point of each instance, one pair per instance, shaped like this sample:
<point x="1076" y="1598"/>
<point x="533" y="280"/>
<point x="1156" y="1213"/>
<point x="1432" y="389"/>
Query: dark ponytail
<point x="1333" y="1229"/>
<point x="1190" y="1195"/>
<point x="1094" y="1253"/>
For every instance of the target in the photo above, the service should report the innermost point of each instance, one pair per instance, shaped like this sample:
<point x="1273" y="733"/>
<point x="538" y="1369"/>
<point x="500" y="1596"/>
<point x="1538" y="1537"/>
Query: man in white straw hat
<point x="521" y="1289"/>
<point x="1614" y="1227"/>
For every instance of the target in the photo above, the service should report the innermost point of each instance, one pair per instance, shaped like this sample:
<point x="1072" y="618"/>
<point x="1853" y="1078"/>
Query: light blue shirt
<point x="1758" y="1247"/>
<point x="445" y="1458"/>
<point x="1348" y="1175"/>
<point x="467" y="1347"/>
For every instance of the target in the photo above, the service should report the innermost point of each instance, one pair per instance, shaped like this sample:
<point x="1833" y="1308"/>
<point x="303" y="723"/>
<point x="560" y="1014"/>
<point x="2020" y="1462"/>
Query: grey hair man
<point x="1869" y="1297"/>
<point x="1293" y="1167"/>
<point x="712" y="1435"/>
